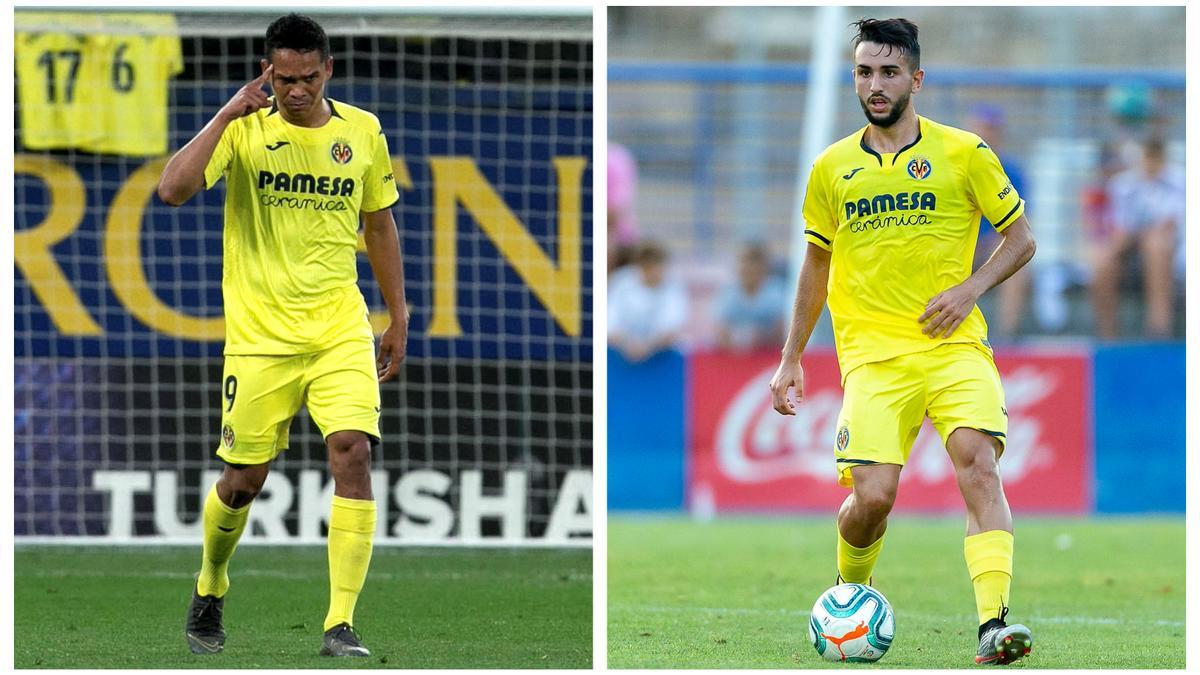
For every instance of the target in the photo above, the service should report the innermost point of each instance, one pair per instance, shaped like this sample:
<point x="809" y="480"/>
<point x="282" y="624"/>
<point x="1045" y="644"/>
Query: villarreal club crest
<point x="341" y="153"/>
<point x="919" y="168"/>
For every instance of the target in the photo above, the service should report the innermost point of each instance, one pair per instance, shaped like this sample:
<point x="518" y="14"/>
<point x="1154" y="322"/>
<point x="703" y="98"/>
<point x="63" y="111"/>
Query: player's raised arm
<point x="811" y="290"/>
<point x="183" y="176"/>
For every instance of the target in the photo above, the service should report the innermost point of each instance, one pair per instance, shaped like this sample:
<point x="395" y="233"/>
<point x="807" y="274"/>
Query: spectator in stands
<point x="988" y="122"/>
<point x="1147" y="210"/>
<point x="622" y="193"/>
<point x="750" y="310"/>
<point x="1134" y="117"/>
<point x="647" y="308"/>
<point x="1096" y="207"/>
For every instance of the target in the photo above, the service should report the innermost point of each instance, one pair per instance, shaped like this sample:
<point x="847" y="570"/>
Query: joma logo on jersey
<point x="919" y="168"/>
<point x="303" y="183"/>
<point x="903" y="201"/>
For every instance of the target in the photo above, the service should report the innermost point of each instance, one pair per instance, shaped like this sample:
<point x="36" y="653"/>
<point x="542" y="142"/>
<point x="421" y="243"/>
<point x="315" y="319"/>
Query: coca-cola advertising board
<point x="744" y="456"/>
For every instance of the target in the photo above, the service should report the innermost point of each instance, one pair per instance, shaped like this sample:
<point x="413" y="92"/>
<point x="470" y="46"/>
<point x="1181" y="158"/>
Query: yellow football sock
<point x="351" y="531"/>
<point x="855" y="564"/>
<point x="989" y="561"/>
<point x="223" y="527"/>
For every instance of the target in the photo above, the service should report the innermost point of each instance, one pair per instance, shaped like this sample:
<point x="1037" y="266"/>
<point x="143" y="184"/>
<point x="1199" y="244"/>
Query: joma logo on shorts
<point x="903" y="201"/>
<point x="303" y="183"/>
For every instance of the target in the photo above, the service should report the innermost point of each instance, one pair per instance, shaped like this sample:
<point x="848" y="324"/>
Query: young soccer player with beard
<point x="892" y="216"/>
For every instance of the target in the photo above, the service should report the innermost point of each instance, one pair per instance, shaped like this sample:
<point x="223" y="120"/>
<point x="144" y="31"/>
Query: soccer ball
<point x="852" y="622"/>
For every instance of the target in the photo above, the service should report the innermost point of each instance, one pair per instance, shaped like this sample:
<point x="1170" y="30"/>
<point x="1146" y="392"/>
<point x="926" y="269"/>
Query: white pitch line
<point x="296" y="576"/>
<point x="1089" y="620"/>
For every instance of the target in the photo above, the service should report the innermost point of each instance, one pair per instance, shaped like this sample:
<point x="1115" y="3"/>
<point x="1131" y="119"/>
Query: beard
<point x="888" y="119"/>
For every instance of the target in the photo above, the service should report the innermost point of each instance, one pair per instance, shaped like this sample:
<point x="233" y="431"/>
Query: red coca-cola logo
<point x="745" y="453"/>
<point x="755" y="444"/>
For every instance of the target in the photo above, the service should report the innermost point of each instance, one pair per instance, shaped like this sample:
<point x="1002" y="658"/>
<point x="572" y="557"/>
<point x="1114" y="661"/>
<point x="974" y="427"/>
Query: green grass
<point x="736" y="593"/>
<point x="124" y="607"/>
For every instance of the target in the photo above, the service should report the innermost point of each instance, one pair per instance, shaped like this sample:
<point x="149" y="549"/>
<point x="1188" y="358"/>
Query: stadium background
<point x="487" y="438"/>
<point x="712" y="103"/>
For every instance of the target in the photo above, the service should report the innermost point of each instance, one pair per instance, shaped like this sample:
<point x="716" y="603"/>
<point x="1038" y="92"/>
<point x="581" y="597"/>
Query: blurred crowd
<point x="1127" y="285"/>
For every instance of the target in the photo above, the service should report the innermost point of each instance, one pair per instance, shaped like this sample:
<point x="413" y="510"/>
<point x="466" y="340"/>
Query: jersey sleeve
<point x="221" y="157"/>
<point x="379" y="184"/>
<point x="172" y="53"/>
<point x="820" y="220"/>
<point x="991" y="190"/>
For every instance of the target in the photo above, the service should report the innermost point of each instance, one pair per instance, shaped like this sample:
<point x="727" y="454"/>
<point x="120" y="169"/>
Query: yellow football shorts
<point x="956" y="385"/>
<point x="261" y="394"/>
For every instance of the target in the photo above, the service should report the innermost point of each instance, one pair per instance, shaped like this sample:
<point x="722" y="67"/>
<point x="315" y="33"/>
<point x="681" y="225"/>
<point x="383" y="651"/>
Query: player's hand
<point x="948" y="309"/>
<point x="392" y="346"/>
<point x="250" y="98"/>
<point x="789" y="375"/>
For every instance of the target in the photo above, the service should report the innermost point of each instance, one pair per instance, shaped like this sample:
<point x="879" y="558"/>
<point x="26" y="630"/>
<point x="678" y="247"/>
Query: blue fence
<point x="646" y="413"/>
<point x="766" y="73"/>
<point x="1140" y="434"/>
<point x="718" y="144"/>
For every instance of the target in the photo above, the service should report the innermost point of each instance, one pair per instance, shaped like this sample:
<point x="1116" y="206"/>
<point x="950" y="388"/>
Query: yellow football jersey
<point x="96" y="82"/>
<point x="136" y="56"/>
<point x="901" y="228"/>
<point x="292" y="205"/>
<point x="55" y="79"/>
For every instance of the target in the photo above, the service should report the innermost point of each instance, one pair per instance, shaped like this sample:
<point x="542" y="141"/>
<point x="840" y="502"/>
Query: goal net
<point x="118" y="311"/>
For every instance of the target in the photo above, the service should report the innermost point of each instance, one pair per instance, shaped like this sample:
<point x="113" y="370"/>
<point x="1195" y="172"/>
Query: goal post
<point x="118" y="325"/>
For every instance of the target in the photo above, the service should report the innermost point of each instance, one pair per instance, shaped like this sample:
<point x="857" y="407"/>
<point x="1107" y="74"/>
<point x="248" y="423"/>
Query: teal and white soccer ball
<point x="852" y="622"/>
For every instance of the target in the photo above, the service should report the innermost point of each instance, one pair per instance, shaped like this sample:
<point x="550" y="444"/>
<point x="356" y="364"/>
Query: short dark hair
<point x="299" y="33"/>
<point x="897" y="33"/>
<point x="650" y="253"/>
<point x="1154" y="148"/>
<point x="756" y="252"/>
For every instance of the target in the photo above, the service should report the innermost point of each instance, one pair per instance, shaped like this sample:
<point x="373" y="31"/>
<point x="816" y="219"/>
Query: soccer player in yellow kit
<point x="892" y="215"/>
<point x="300" y="171"/>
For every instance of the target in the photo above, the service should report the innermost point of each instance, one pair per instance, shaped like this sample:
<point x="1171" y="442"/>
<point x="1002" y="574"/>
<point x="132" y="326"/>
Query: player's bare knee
<point x="874" y="503"/>
<point x="238" y="486"/>
<point x="240" y="498"/>
<point x="349" y="453"/>
<point x="978" y="469"/>
<point x="351" y="462"/>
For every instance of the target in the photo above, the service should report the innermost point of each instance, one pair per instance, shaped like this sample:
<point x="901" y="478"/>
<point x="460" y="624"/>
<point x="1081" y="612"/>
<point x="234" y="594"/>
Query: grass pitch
<point x="736" y="592"/>
<point x="124" y="607"/>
